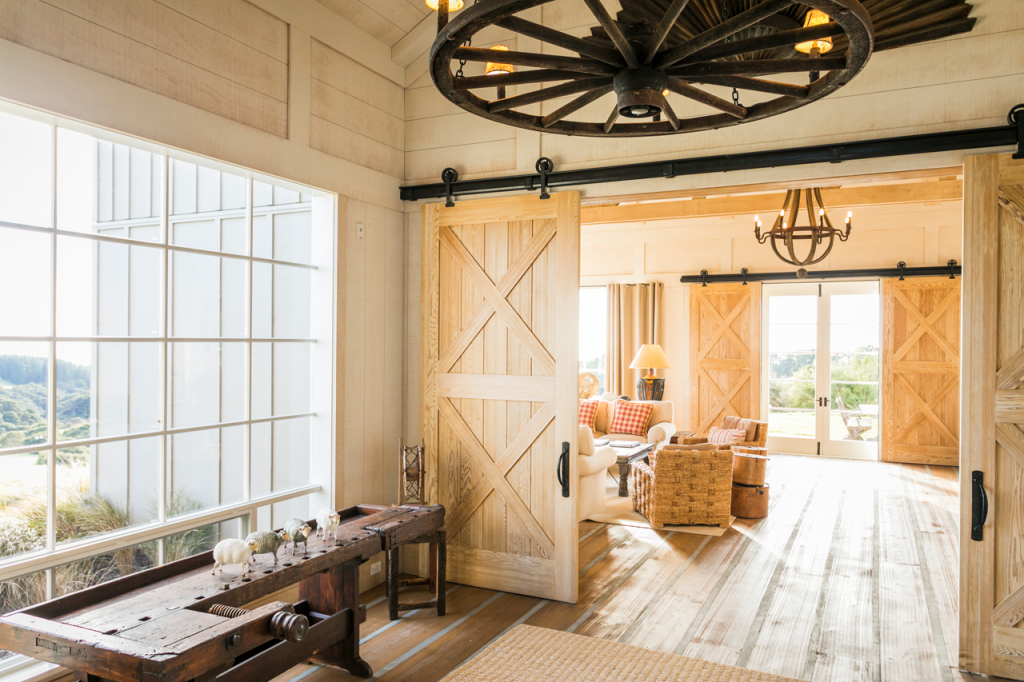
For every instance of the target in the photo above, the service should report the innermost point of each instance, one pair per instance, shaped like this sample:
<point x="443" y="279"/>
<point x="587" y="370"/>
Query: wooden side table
<point x="625" y="457"/>
<point x="681" y="434"/>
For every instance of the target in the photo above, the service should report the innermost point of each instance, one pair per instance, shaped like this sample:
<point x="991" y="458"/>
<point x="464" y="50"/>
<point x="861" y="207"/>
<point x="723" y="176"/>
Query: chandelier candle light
<point x="499" y="69"/>
<point x="786" y="231"/>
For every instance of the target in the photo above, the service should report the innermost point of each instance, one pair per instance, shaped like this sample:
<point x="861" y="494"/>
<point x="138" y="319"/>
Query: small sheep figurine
<point x="327" y="520"/>
<point x="298" y="530"/>
<point x="267" y="542"/>
<point x="233" y="552"/>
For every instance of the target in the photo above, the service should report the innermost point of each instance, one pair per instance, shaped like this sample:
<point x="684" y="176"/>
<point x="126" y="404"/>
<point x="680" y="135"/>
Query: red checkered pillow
<point x="719" y="436"/>
<point x="631" y="418"/>
<point x="588" y="413"/>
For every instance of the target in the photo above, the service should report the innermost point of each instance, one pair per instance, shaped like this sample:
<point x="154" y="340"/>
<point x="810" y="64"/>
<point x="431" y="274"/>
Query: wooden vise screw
<point x="283" y="625"/>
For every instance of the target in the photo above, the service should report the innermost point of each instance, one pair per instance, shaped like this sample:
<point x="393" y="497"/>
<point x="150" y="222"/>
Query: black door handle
<point x="979" y="505"/>
<point x="563" y="469"/>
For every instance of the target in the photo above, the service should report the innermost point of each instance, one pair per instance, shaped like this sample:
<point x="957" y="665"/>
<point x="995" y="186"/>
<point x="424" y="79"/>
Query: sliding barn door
<point x="921" y="370"/>
<point x="992" y="555"/>
<point x="500" y="372"/>
<point x="725" y="353"/>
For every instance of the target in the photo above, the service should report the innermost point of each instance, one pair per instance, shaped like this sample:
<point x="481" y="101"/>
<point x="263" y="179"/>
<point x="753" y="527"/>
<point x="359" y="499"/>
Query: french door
<point x="820" y="368"/>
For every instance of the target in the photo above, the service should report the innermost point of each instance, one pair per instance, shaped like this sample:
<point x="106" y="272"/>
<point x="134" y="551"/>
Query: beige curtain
<point x="634" y="318"/>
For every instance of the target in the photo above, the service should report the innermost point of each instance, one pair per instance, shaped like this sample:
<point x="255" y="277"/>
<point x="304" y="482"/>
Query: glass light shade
<point x="650" y="356"/>
<point x="497" y="67"/>
<point x="453" y="5"/>
<point x="815" y="17"/>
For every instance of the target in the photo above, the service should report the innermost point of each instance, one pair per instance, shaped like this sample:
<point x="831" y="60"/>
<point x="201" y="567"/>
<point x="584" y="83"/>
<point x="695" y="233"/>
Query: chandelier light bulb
<point x="453" y="5"/>
<point x="849" y="216"/>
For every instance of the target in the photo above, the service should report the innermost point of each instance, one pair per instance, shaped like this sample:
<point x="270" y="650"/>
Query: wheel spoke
<point x="755" y="67"/>
<point x="780" y="39"/>
<point x="664" y="26"/>
<point x="698" y="95"/>
<point x="758" y="85"/>
<point x="548" y="93"/>
<point x="614" y="32"/>
<point x="612" y="117"/>
<point x="721" y="31"/>
<point x="671" y="116"/>
<point x="563" y="40"/>
<point x="543" y="61"/>
<point x="517" y="78"/>
<point x="575" y="105"/>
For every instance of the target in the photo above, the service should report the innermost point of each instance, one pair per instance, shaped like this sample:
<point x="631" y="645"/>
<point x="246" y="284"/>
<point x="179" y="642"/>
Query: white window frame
<point x="323" y="351"/>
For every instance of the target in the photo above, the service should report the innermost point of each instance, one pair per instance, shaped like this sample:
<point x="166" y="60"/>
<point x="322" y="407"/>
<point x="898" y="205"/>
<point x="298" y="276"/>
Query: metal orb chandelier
<point x="644" y="60"/>
<point x="787" y="232"/>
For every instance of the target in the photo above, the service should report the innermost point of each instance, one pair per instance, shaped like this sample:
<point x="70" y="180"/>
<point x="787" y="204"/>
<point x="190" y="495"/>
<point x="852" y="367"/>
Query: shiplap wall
<point x="961" y="82"/>
<point x="287" y="88"/>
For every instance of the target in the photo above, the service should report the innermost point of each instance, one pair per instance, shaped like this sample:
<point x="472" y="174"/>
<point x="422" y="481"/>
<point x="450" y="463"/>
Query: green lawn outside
<point x="802" y="424"/>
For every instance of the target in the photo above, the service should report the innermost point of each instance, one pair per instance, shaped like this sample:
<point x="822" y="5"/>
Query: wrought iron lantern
<point x="786" y="232"/>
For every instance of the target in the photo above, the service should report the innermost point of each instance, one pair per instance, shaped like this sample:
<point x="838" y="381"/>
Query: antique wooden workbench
<point x="177" y="622"/>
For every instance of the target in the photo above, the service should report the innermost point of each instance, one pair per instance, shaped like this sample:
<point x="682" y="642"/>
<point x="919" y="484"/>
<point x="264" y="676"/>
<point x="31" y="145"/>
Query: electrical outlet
<point x="375" y="567"/>
<point x="359" y="231"/>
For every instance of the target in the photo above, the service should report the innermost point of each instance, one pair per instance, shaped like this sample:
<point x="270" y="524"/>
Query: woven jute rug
<point x="531" y="654"/>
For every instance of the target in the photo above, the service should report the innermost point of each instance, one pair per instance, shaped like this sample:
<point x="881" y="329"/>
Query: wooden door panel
<point x="921" y="371"/>
<point x="992" y="568"/>
<point x="725" y="352"/>
<point x="502" y="279"/>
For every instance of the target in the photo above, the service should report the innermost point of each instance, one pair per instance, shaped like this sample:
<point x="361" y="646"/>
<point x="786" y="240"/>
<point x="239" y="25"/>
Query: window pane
<point x="791" y="365"/>
<point x="854" y="309"/>
<point x="793" y="310"/>
<point x="24" y="383"/>
<point x="197" y="189"/>
<point x="280" y="379"/>
<point x="207" y="295"/>
<point x="280" y="456"/>
<point x="855" y="367"/>
<point x="103" y="488"/>
<point x="207" y="383"/>
<point x="107" y="188"/>
<point x="24" y="282"/>
<point x="106" y="289"/>
<point x="594" y="333"/>
<point x="203" y="469"/>
<point x="107" y="389"/>
<point x="281" y="301"/>
<point x="26" y="173"/>
<point x="22" y="507"/>
<point x="791" y="338"/>
<point x="197" y="540"/>
<point x="862" y="336"/>
<point x="283" y="236"/>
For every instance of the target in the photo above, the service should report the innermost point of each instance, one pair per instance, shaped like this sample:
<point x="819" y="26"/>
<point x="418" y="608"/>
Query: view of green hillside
<point x="23" y="408"/>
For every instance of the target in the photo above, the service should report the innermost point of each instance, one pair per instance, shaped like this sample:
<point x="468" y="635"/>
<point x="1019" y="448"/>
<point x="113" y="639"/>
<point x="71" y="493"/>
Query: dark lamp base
<point x="650" y="388"/>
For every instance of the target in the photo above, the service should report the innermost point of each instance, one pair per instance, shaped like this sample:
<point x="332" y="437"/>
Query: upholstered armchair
<point x="756" y="433"/>
<point x="591" y="467"/>
<point x="689" y="485"/>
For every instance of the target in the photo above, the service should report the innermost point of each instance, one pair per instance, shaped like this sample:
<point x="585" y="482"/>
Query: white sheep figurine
<point x="298" y="531"/>
<point x="233" y="552"/>
<point x="327" y="520"/>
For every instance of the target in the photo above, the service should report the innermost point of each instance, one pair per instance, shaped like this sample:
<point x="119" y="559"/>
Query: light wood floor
<point x="853" y="576"/>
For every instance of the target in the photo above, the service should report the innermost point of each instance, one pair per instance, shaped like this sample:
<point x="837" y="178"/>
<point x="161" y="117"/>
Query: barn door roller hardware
<point x="952" y="269"/>
<point x="1011" y="135"/>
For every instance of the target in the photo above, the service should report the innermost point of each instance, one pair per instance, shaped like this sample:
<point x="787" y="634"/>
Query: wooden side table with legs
<point x="436" y="582"/>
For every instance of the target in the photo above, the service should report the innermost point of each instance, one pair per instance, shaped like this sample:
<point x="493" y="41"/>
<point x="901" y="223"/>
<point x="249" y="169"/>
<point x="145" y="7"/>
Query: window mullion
<point x="247" y="388"/>
<point x="161" y="477"/>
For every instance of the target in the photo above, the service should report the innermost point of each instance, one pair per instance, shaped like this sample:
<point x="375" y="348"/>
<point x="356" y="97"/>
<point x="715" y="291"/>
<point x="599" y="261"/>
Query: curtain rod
<point x="951" y="270"/>
<point x="547" y="178"/>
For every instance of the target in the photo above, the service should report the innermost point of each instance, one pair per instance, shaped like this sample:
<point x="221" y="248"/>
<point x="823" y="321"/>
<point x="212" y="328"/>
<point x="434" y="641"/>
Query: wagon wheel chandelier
<point x="819" y="229"/>
<point x="644" y="60"/>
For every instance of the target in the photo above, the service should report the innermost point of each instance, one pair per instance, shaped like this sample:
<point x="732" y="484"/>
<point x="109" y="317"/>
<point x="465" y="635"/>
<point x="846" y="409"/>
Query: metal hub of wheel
<point x="643" y="61"/>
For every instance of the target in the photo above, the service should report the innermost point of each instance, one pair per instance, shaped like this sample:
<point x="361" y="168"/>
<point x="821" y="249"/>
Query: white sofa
<point x="591" y="467"/>
<point x="595" y="461"/>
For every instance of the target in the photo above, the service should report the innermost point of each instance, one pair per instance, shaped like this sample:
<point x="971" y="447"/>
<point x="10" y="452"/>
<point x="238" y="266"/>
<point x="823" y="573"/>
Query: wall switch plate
<point x="374" y="567"/>
<point x="359" y="231"/>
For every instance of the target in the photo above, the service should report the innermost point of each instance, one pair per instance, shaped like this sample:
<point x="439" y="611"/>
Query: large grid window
<point x="161" y="385"/>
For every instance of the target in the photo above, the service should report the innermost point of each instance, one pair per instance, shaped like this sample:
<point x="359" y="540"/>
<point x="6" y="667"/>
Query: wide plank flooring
<point x="852" y="577"/>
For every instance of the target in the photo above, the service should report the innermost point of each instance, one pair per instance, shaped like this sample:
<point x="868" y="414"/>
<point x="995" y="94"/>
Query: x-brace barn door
<point x="500" y="328"/>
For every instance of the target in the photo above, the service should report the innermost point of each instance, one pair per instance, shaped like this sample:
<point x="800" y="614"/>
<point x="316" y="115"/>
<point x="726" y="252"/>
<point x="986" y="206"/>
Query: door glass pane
<point x="792" y="346"/>
<point x="24" y="282"/>
<point x="853" y="367"/>
<point x="26" y="172"/>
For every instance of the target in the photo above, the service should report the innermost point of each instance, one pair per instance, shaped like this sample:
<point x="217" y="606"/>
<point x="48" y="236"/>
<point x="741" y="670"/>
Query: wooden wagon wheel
<point x="642" y="61"/>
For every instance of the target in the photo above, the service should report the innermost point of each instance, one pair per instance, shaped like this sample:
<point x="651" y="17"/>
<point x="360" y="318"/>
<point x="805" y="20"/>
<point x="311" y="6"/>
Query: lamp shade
<point x="453" y="5"/>
<point x="650" y="356"/>
<point x="815" y="17"/>
<point x="498" y="67"/>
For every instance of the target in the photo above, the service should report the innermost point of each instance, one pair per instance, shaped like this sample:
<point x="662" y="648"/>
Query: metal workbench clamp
<point x="449" y="175"/>
<point x="544" y="166"/>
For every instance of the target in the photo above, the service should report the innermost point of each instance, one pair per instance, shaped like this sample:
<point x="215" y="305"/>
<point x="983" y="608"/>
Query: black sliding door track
<point x="958" y="140"/>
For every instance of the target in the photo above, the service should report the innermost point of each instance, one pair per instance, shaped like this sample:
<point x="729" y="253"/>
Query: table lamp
<point x="651" y="357"/>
